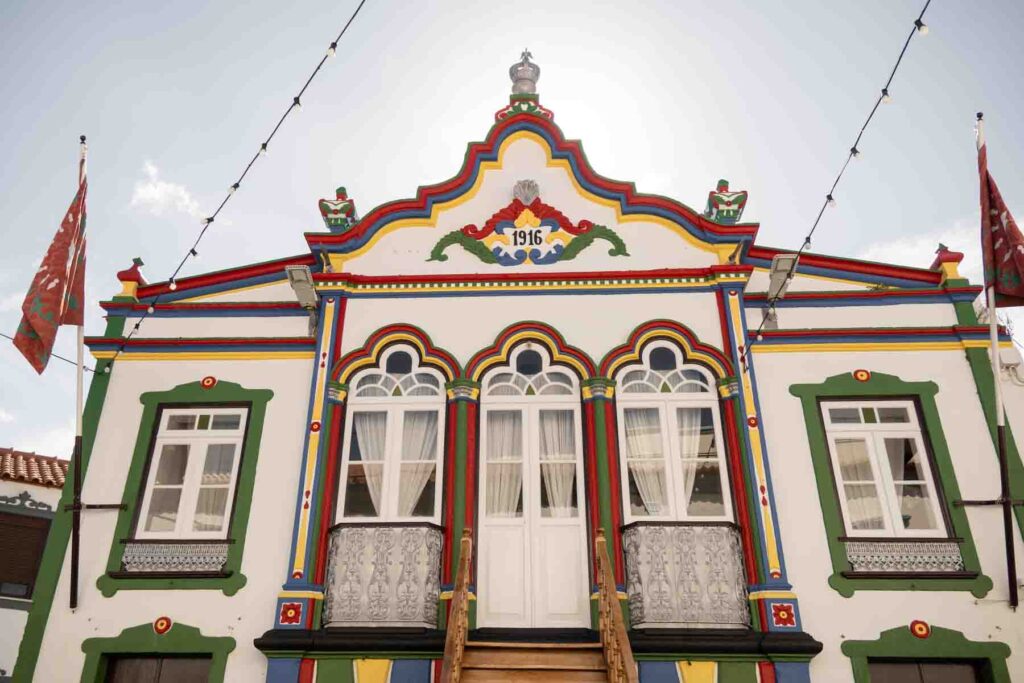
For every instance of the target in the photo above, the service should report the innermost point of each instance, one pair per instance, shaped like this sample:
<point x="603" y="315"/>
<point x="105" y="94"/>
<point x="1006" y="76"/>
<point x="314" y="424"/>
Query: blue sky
<point x="175" y="97"/>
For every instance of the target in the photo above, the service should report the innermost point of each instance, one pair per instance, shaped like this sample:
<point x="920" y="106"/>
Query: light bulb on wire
<point x="332" y="49"/>
<point x="296" y="104"/>
<point x="855" y="153"/>
<point x="263" y="149"/>
<point x="830" y="200"/>
<point x="886" y="97"/>
<point x="922" y="27"/>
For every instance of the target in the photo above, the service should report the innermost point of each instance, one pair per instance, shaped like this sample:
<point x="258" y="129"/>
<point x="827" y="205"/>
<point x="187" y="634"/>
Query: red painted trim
<point x="539" y="330"/>
<point x="615" y="484"/>
<point x="307" y="668"/>
<point x="470" y="167"/>
<point x="654" y="326"/>
<point x="590" y="462"/>
<point x="330" y="488"/>
<point x="956" y="330"/>
<point x="350" y="278"/>
<point x="228" y="275"/>
<point x="850" y="265"/>
<point x="436" y="357"/>
<point x="472" y="427"/>
<point x="868" y="294"/>
<point x="203" y="341"/>
<point x="212" y="306"/>
<point x="449" y="494"/>
<point x="739" y="489"/>
<point x="767" y="671"/>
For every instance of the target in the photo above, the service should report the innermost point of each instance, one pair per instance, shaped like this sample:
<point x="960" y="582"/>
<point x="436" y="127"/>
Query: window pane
<point x="893" y="415"/>
<point x="949" y="672"/>
<point x="210" y="508"/>
<point x="419" y="436"/>
<point x="844" y="415"/>
<point x="905" y="461"/>
<point x="854" y="461"/>
<point x="643" y="433"/>
<point x="170" y="470"/>
<point x="504" y="489"/>
<point x="702" y="488"/>
<point x="163" y="509"/>
<point x="226" y="422"/>
<point x="369" y="433"/>
<point x="869" y="416"/>
<point x="663" y="359"/>
<point x="648" y="488"/>
<point x="504" y="435"/>
<point x="915" y="506"/>
<point x="362" y="489"/>
<point x="181" y="422"/>
<point x="863" y="506"/>
<point x="557" y="435"/>
<point x="417" y="479"/>
<point x="204" y="422"/>
<point x="696" y="433"/>
<point x="220" y="459"/>
<point x="894" y="672"/>
<point x="558" y="490"/>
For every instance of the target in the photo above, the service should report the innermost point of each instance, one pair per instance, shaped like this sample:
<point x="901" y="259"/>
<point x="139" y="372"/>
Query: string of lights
<point x="884" y="97"/>
<point x="52" y="355"/>
<point x="193" y="252"/>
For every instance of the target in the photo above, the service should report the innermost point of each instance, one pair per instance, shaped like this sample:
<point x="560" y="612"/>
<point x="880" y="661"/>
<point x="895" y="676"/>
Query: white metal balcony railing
<point x="685" y="575"/>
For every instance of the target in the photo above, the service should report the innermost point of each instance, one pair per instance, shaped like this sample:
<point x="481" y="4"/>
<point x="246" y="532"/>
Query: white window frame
<point x="874" y="435"/>
<point x="191" y="483"/>
<point x="395" y="408"/>
<point x="666" y="405"/>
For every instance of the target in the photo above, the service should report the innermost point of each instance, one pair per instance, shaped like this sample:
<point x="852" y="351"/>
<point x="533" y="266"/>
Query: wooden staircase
<point x="533" y="662"/>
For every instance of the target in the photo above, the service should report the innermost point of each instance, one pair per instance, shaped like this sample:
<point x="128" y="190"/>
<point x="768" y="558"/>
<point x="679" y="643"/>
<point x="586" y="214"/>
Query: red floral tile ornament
<point x="162" y="625"/>
<point x="920" y="629"/>
<point x="783" y="614"/>
<point x="291" y="613"/>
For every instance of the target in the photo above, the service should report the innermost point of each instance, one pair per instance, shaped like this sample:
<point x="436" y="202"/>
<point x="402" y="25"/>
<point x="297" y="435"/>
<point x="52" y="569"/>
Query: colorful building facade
<point x="532" y="352"/>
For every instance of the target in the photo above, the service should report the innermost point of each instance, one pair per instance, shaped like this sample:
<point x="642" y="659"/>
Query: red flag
<point x="1002" y="245"/>
<point x="56" y="295"/>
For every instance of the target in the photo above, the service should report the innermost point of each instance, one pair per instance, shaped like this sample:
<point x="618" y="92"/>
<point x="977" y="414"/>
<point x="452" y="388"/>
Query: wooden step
<point x="533" y="646"/>
<point x="560" y="659"/>
<point x="527" y="676"/>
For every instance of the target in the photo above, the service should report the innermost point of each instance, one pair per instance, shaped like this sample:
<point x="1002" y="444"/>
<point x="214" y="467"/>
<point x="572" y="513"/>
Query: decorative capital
<point x="463" y="390"/>
<point x="725" y="207"/>
<point x="336" y="392"/>
<point x="524" y="75"/>
<point x="728" y="387"/>
<point x="947" y="262"/>
<point x="131" y="278"/>
<point x="598" y="389"/>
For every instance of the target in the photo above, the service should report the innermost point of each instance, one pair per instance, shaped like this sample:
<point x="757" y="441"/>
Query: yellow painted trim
<point x="502" y="357"/>
<point x="338" y="260"/>
<point x="621" y="595"/>
<point x="314" y="595"/>
<point x="697" y="671"/>
<point x="831" y="347"/>
<point x="769" y="595"/>
<point x="309" y="476"/>
<point x="866" y="286"/>
<point x="206" y="355"/>
<point x="513" y="286"/>
<point x="372" y="670"/>
<point x="688" y="352"/>
<point x="447" y="595"/>
<point x="200" y="297"/>
<point x="754" y="440"/>
<point x="373" y="358"/>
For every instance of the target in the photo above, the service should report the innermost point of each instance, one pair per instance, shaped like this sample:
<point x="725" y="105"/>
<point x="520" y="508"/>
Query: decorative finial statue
<point x="725" y="207"/>
<point x="339" y="214"/>
<point x="524" y="75"/>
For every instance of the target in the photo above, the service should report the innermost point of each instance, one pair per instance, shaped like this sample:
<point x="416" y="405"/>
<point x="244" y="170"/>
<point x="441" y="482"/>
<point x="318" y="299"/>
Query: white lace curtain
<point x="689" y="449"/>
<point x="504" y="463"/>
<point x="558" y="461"/>
<point x="645" y="458"/>
<point x="371" y="430"/>
<point x="419" y="456"/>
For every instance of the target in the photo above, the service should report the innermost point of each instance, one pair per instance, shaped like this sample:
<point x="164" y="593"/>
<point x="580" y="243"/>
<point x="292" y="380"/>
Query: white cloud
<point x="57" y="442"/>
<point x="11" y="302"/>
<point x="158" y="197"/>
<point x="5" y="417"/>
<point x="919" y="250"/>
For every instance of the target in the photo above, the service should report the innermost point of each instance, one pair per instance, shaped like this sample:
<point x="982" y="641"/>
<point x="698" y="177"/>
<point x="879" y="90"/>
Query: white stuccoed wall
<point x="828" y="616"/>
<point x="247" y="614"/>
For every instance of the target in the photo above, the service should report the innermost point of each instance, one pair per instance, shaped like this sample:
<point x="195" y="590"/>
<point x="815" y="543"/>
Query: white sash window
<point x="882" y="469"/>
<point x="190" y="486"/>
<point x="393" y="443"/>
<point x="670" y="440"/>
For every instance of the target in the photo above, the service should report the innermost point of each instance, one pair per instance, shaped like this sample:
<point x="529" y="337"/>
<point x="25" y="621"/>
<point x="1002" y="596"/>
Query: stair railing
<point x="618" y="655"/>
<point x="458" y="615"/>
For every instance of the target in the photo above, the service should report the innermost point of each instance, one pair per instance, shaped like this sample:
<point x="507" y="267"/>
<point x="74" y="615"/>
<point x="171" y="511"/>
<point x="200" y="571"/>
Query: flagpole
<point x="76" y="510"/>
<point x="1004" y="473"/>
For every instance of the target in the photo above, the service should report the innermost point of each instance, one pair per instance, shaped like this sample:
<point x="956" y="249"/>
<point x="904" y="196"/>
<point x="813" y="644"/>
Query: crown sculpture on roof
<point x="725" y="207"/>
<point x="340" y="213"/>
<point x="524" y="98"/>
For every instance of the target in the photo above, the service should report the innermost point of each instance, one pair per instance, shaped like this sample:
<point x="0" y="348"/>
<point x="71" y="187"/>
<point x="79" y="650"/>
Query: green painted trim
<point x="737" y="672"/>
<point x="187" y="395"/>
<point x="943" y="643"/>
<point x="52" y="562"/>
<point x="143" y="640"/>
<point x="717" y="657"/>
<point x="335" y="671"/>
<point x="923" y="394"/>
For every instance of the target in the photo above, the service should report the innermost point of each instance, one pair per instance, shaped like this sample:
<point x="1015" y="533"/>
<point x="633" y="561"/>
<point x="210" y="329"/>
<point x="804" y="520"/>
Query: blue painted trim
<point x="193" y="348"/>
<point x="837" y="274"/>
<point x="384" y="294"/>
<point x="283" y="670"/>
<point x="940" y="297"/>
<point x="210" y="313"/>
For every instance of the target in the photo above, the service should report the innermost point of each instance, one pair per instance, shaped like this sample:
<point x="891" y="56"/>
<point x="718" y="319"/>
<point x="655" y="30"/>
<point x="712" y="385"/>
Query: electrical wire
<point x="296" y="103"/>
<point x="53" y="355"/>
<point x="883" y="96"/>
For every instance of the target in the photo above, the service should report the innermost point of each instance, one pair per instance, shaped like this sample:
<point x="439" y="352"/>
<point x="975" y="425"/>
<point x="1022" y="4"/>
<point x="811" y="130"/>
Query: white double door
<point x="532" y="562"/>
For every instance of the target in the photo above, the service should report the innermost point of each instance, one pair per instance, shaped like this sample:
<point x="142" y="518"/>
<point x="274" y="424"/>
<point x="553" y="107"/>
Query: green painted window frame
<point x="878" y="386"/>
<point x="144" y="640"/>
<point x="941" y="643"/>
<point x="189" y="395"/>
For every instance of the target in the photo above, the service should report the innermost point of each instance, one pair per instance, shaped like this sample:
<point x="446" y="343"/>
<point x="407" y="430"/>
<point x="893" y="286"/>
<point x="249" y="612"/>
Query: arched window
<point x="393" y="441"/>
<point x="670" y="439"/>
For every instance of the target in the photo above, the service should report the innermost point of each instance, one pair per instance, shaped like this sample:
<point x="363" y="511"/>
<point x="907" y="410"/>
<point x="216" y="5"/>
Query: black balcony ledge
<point x="649" y="641"/>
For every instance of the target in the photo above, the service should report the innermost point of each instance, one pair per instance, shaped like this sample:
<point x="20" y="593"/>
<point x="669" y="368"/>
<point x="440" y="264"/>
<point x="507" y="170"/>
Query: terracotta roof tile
<point x="31" y="468"/>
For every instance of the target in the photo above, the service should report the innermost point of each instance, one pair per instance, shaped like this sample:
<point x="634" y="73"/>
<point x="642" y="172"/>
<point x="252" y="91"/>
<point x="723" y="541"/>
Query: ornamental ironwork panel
<point x="904" y="558"/>
<point x="685" y="576"/>
<point x="186" y="558"/>
<point x="383" y="576"/>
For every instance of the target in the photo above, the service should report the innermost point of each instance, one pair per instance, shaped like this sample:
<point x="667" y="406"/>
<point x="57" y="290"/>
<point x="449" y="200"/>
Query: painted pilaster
<point x="296" y="603"/>
<point x="460" y="498"/>
<point x="602" y="498"/>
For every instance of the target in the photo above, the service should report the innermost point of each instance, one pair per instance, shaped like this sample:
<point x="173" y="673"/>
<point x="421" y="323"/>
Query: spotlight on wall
<point x="781" y="274"/>
<point x="301" y="280"/>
